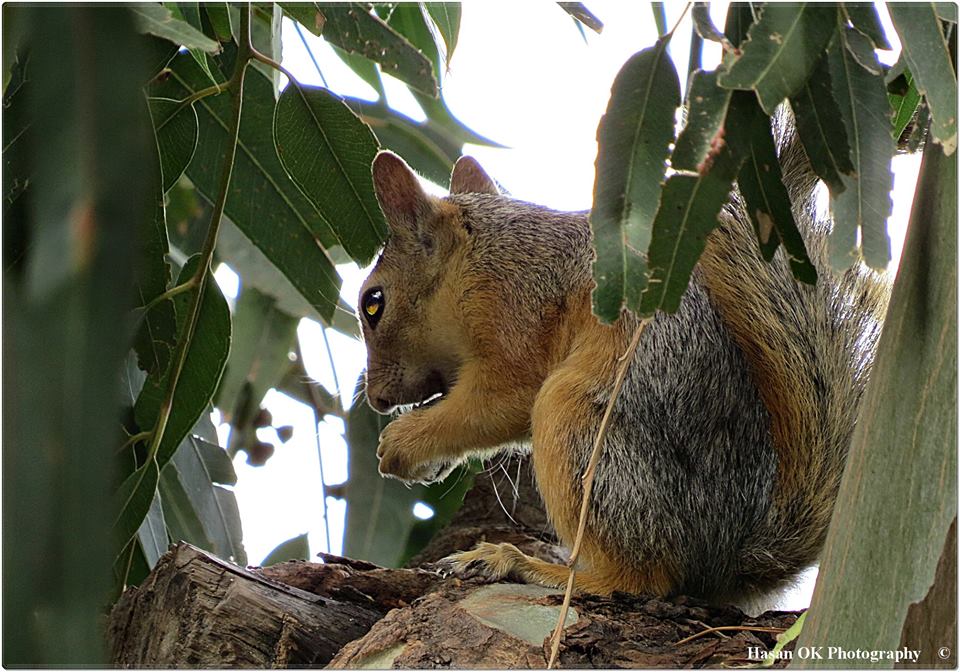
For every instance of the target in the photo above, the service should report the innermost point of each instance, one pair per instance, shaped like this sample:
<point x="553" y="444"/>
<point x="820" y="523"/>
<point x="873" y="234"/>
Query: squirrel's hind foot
<point x="494" y="562"/>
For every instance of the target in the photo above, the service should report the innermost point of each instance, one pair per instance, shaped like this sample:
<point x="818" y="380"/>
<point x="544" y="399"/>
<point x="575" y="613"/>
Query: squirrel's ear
<point x="469" y="178"/>
<point x="401" y="197"/>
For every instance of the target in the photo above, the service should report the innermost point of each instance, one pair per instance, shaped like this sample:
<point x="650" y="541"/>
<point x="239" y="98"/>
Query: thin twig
<point x="722" y="628"/>
<point x="206" y="253"/>
<point x="587" y="478"/>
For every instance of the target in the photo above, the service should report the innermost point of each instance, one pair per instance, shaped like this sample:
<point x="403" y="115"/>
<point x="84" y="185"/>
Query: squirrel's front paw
<point x="402" y="455"/>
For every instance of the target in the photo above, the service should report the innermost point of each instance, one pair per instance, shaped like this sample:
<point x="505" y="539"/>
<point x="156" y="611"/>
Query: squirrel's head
<point x="408" y="305"/>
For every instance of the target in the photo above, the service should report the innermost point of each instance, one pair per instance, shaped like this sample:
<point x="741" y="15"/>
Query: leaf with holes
<point x="781" y="51"/>
<point x="634" y="137"/>
<point x="865" y="203"/>
<point x="354" y="29"/>
<point x="927" y="55"/>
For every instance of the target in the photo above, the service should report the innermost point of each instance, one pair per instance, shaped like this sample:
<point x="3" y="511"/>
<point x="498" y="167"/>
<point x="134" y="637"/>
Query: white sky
<point x="521" y="75"/>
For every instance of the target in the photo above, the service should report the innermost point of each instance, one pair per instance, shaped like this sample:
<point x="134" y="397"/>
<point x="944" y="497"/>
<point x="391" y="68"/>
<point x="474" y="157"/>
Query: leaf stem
<point x="202" y="273"/>
<point x="587" y="479"/>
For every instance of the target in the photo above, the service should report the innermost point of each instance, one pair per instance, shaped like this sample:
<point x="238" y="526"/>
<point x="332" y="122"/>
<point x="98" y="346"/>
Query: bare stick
<point x="587" y="479"/>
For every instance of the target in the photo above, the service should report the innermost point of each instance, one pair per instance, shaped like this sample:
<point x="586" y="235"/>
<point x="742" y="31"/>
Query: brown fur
<point x="502" y="325"/>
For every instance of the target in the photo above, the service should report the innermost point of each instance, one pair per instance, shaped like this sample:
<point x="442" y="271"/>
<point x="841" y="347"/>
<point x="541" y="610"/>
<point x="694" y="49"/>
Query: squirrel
<point x="727" y="442"/>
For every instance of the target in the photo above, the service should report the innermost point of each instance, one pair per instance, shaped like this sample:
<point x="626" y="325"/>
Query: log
<point x="197" y="611"/>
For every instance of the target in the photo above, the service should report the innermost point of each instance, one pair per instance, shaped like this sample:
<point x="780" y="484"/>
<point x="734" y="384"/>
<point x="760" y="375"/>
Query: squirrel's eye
<point x="372" y="306"/>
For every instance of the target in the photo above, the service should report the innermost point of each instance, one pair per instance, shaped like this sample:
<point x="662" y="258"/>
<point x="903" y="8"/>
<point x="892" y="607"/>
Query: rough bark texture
<point x="197" y="611"/>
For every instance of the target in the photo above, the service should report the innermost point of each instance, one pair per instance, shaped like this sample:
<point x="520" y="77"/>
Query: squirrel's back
<point x="728" y="440"/>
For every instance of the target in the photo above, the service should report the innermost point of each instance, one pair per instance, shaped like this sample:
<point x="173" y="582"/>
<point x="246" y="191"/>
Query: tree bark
<point x="198" y="611"/>
<point x="898" y="497"/>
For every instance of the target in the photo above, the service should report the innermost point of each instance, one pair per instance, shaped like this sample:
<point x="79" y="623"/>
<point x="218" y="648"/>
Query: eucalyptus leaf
<point x="155" y="19"/>
<point x="201" y="372"/>
<point x="579" y="12"/>
<point x="825" y="142"/>
<point x="634" y="137"/>
<point x="865" y="203"/>
<point x="263" y="337"/>
<point x="328" y="151"/>
<point x="761" y="184"/>
<point x="379" y="510"/>
<point x="927" y="55"/>
<point x="297" y="548"/>
<point x="177" y="131"/>
<point x="133" y="499"/>
<point x="446" y="17"/>
<point x="354" y="29"/>
<point x="781" y="51"/>
<point x="864" y="17"/>
<point x="280" y="221"/>
<point x="153" y="533"/>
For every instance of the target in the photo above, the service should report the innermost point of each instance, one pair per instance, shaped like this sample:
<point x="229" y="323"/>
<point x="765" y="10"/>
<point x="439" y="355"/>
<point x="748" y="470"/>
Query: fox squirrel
<point x="727" y="442"/>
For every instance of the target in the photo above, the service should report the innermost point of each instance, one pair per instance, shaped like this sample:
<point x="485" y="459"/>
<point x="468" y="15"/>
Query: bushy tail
<point x="810" y="351"/>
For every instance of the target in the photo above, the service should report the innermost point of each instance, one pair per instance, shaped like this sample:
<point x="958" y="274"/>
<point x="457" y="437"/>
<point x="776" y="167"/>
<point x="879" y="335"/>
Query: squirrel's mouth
<point x="434" y="388"/>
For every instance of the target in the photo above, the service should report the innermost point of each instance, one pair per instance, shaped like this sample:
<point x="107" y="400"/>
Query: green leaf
<point x="864" y="17"/>
<point x="446" y="17"/>
<point x="705" y="122"/>
<point x="904" y="107"/>
<point x="781" y="50"/>
<point x="410" y="20"/>
<point x="263" y="336"/>
<point x="354" y="29"/>
<point x="946" y="11"/>
<point x="862" y="50"/>
<point x="739" y="19"/>
<point x="152" y="534"/>
<point x="215" y="460"/>
<point x="280" y="221"/>
<point x="156" y="19"/>
<point x="824" y="140"/>
<point x="219" y="15"/>
<point x="689" y="206"/>
<point x="379" y="510"/>
<point x="580" y="14"/>
<point x="633" y="136"/>
<point x="215" y="507"/>
<point x="865" y="203"/>
<point x="928" y="57"/>
<point x="201" y="370"/>
<point x="177" y="131"/>
<point x="133" y="500"/>
<point x="183" y="522"/>
<point x="768" y="203"/>
<point x="87" y="155"/>
<point x="328" y="151"/>
<point x="783" y="639"/>
<point x="704" y="24"/>
<point x="296" y="548"/>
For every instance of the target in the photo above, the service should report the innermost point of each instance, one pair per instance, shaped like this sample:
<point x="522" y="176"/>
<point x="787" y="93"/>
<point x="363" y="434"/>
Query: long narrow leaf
<point x="928" y="57"/>
<point x="634" y="136"/>
<point x="781" y="50"/>
<point x="825" y="141"/>
<point x="865" y="204"/>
